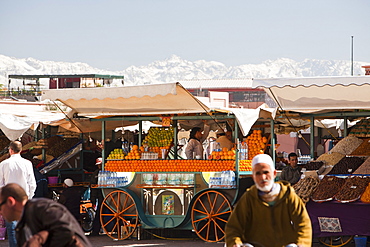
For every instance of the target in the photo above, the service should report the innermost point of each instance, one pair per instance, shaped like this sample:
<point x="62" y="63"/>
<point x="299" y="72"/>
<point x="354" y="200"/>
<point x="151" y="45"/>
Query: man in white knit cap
<point x="269" y="213"/>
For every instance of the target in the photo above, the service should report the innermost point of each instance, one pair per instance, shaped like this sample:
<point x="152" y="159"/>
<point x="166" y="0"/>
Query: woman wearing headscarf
<point x="195" y="144"/>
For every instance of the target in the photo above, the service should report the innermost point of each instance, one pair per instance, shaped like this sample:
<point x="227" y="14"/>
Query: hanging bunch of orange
<point x="256" y="143"/>
<point x="169" y="165"/>
<point x="245" y="165"/>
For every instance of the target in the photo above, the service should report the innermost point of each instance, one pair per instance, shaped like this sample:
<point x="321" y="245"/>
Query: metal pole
<point x="351" y="55"/>
<point x="273" y="141"/>
<point x="312" y="137"/>
<point x="43" y="151"/>
<point x="236" y="140"/>
<point x="345" y="126"/>
<point x="175" y="139"/>
<point x="140" y="132"/>
<point x="103" y="141"/>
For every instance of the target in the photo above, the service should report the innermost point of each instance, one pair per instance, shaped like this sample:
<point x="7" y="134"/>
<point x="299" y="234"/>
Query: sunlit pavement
<point x="104" y="241"/>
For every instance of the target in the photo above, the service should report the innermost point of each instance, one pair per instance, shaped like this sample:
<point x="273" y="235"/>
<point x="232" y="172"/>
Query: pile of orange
<point x="134" y="153"/>
<point x="225" y="154"/>
<point x="245" y="165"/>
<point x="256" y="143"/>
<point x="169" y="165"/>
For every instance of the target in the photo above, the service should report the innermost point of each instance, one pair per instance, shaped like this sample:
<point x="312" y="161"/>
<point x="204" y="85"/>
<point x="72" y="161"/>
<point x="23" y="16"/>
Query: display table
<point x="339" y="219"/>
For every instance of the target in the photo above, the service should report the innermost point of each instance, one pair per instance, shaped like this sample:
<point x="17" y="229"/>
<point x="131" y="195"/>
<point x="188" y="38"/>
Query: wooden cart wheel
<point x="118" y="215"/>
<point x="336" y="240"/>
<point x="209" y="215"/>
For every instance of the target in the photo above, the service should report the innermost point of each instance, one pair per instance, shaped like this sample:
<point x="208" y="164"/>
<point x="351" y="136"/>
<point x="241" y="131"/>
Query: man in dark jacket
<point x="71" y="198"/>
<point x="96" y="198"/>
<point x="41" y="184"/>
<point x="42" y="222"/>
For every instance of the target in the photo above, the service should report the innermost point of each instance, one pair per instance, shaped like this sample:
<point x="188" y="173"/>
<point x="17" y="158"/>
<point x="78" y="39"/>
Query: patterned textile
<point x="329" y="224"/>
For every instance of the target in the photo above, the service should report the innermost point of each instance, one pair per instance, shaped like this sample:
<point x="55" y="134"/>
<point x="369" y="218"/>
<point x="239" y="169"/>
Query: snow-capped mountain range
<point x="175" y="69"/>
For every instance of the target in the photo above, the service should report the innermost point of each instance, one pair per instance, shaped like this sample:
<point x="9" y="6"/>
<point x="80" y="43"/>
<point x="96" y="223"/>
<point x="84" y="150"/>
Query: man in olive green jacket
<point x="269" y="214"/>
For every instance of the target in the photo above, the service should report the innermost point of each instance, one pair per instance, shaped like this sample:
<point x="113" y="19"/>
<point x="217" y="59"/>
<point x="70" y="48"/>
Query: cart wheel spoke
<point x="220" y="219"/>
<point x="220" y="207"/>
<point x="204" y="207"/>
<point x="122" y="218"/>
<point x="113" y="200"/>
<point x="210" y="203"/>
<point x="107" y="206"/>
<point x="109" y="221"/>
<point x="336" y="241"/>
<point x="201" y="212"/>
<point x="219" y="227"/>
<point x="200" y="219"/>
<point x="209" y="215"/>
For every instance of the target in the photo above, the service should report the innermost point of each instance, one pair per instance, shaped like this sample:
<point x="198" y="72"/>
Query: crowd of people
<point x="269" y="213"/>
<point x="31" y="218"/>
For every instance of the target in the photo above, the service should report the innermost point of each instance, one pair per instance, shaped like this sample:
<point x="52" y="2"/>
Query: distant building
<point x="367" y="69"/>
<point x="31" y="83"/>
<point x="241" y="93"/>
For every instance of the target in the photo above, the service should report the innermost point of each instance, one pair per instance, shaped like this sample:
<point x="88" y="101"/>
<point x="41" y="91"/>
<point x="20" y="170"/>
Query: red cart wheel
<point x="118" y="215"/>
<point x="336" y="240"/>
<point x="209" y="215"/>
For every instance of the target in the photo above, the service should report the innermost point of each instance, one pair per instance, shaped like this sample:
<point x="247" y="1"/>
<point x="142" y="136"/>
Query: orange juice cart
<point x="150" y="186"/>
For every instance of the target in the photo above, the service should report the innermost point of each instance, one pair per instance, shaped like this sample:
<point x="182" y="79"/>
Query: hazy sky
<point x="114" y="34"/>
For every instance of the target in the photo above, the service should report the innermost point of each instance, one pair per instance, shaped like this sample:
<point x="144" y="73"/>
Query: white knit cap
<point x="263" y="158"/>
<point x="98" y="161"/>
<point x="68" y="182"/>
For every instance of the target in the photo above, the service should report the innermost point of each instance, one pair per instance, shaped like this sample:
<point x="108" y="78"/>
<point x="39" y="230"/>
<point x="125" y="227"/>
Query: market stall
<point x="320" y="98"/>
<point x="148" y="186"/>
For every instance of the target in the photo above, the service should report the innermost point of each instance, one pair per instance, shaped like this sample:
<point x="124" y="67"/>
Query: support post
<point x="236" y="141"/>
<point x="175" y="139"/>
<point x="345" y="126"/>
<point x="43" y="150"/>
<point x="312" y="138"/>
<point x="273" y="141"/>
<point x="140" y="132"/>
<point x="103" y="142"/>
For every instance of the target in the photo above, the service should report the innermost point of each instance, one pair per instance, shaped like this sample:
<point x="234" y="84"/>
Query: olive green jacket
<point x="254" y="221"/>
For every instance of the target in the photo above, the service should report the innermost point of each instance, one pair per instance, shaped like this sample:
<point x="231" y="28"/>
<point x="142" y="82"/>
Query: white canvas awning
<point x="17" y="117"/>
<point x="247" y="117"/>
<point x="170" y="98"/>
<point x="309" y="95"/>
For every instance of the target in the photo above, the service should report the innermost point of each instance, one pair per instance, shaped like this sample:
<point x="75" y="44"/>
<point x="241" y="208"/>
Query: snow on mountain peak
<point x="174" y="68"/>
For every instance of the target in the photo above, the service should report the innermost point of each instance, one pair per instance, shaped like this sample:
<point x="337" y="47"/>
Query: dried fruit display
<point x="313" y="165"/>
<point x="352" y="189"/>
<point x="62" y="146"/>
<point x="331" y="159"/>
<point x="361" y="129"/>
<point x="347" y="145"/>
<point x="305" y="187"/>
<point x="347" y="165"/>
<point x="366" y="195"/>
<point x="327" y="188"/>
<point x="4" y="142"/>
<point x="363" y="149"/>
<point x="364" y="168"/>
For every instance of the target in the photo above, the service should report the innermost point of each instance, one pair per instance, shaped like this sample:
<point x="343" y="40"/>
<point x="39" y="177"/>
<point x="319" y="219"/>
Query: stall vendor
<point x="194" y="149"/>
<point x="291" y="173"/>
<point x="223" y="140"/>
